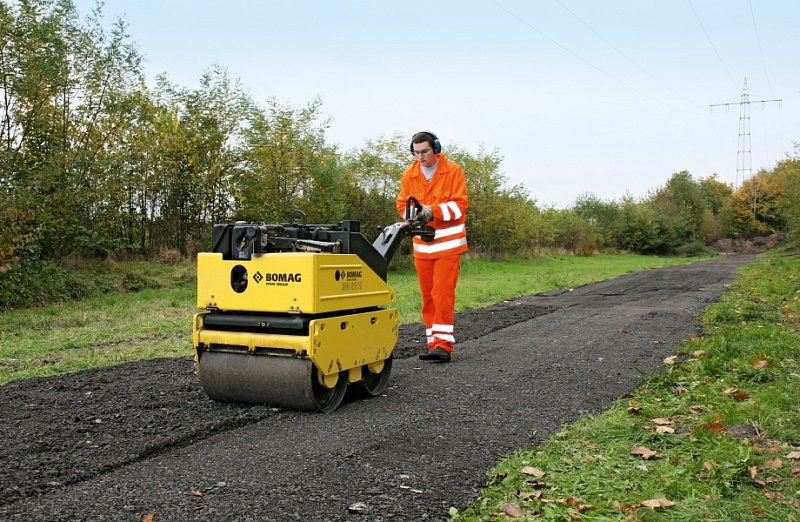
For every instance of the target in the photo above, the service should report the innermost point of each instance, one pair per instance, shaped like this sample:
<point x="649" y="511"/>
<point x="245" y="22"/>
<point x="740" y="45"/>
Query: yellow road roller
<point x="293" y="313"/>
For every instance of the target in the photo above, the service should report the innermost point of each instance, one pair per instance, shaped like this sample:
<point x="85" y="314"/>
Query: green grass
<point x="153" y="318"/>
<point x="730" y="401"/>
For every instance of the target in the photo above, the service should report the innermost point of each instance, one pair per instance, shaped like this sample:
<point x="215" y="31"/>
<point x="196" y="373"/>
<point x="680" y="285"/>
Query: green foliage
<point x="33" y="281"/>
<point x="638" y="229"/>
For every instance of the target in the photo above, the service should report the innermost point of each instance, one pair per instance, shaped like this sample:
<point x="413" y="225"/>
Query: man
<point x="441" y="187"/>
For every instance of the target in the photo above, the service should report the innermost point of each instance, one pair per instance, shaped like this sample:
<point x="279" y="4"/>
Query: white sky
<point x="577" y="96"/>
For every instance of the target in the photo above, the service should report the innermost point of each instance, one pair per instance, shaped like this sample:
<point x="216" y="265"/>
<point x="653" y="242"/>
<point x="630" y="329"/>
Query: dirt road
<point x="142" y="438"/>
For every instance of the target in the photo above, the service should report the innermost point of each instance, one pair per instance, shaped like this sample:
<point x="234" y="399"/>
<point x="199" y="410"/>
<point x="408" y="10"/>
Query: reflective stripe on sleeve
<point x="454" y="207"/>
<point x="445" y="211"/>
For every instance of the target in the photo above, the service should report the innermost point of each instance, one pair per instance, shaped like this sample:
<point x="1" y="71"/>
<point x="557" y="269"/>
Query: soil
<point x="143" y="439"/>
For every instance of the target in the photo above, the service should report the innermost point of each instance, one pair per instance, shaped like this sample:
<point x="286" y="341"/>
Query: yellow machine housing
<point x="292" y="314"/>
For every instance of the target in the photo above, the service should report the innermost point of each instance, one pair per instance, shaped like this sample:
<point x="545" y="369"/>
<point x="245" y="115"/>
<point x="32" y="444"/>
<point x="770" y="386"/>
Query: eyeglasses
<point x="420" y="152"/>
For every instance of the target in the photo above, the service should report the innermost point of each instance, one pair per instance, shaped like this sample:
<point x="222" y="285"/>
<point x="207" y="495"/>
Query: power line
<point x="758" y="40"/>
<point x="570" y="11"/>
<point x="711" y="42"/>
<point x="584" y="60"/>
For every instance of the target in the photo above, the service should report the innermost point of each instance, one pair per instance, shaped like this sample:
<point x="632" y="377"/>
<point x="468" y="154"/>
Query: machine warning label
<point x="349" y="279"/>
<point x="278" y="278"/>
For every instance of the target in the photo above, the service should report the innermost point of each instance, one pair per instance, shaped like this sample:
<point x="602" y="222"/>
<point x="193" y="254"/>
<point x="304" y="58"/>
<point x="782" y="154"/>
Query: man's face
<point x="424" y="153"/>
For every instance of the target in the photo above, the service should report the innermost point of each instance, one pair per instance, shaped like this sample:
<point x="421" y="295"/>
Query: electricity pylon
<point x="744" y="159"/>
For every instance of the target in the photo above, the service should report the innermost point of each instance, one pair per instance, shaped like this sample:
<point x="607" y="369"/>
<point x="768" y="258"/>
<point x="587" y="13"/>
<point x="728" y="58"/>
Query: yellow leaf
<point x="535" y="472"/>
<point x="665" y="429"/>
<point x="671" y="359"/>
<point x="657" y="503"/>
<point x="645" y="453"/>
<point x="697" y="353"/>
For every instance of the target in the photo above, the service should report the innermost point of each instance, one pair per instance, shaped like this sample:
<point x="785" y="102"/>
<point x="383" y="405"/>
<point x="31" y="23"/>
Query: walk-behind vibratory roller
<point x="294" y="312"/>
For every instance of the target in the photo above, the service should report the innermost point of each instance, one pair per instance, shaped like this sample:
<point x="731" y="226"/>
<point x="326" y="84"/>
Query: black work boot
<point x="438" y="354"/>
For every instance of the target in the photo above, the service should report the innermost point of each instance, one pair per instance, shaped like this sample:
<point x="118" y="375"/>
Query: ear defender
<point x="437" y="145"/>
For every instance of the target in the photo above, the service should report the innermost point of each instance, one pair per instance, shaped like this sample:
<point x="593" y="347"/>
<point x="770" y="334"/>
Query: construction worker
<point x="441" y="188"/>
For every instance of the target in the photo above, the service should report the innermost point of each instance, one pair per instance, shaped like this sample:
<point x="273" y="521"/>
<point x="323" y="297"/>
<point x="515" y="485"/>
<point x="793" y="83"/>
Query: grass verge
<point x="153" y="318"/>
<point x="714" y="437"/>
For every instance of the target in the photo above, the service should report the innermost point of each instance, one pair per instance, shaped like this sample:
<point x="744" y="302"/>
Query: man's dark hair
<point x="422" y="137"/>
<point x="431" y="138"/>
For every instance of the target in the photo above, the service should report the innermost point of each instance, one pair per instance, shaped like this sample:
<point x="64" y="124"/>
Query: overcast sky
<point x="577" y="96"/>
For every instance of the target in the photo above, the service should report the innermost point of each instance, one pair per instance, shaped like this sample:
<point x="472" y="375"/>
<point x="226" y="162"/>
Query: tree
<point x="285" y="151"/>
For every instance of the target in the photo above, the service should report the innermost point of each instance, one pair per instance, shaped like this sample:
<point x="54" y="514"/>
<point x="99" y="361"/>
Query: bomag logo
<point x="347" y="274"/>
<point x="282" y="279"/>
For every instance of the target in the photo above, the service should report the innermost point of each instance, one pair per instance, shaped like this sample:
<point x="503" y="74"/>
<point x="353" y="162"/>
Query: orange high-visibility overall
<point x="438" y="262"/>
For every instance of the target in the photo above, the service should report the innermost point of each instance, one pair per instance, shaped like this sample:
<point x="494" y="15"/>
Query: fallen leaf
<point x="148" y="518"/>
<point x="795" y="472"/>
<point x="713" y="427"/>
<point x="527" y="495"/>
<point x="697" y="353"/>
<point x="761" y="362"/>
<point x="534" y="472"/>
<point x="196" y="493"/>
<point x="680" y="390"/>
<point x="753" y="471"/>
<point x="645" y="453"/>
<point x="634" y="409"/>
<point x="709" y="465"/>
<point x="737" y="394"/>
<point x="628" y="508"/>
<point x="671" y="359"/>
<point x="772" y="464"/>
<point x="590" y="460"/>
<point x="511" y="509"/>
<point x="665" y="429"/>
<point x="793" y="455"/>
<point x="657" y="503"/>
<point x="661" y="421"/>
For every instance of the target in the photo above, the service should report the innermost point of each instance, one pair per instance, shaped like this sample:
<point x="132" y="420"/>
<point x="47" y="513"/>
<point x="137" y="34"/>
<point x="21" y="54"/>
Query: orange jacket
<point x="446" y="193"/>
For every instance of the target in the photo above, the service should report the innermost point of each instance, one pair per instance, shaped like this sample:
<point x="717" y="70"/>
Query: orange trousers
<point x="437" y="283"/>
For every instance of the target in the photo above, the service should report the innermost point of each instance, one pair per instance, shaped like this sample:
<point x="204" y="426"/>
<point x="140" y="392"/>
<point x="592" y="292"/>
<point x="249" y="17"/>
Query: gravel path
<point x="142" y="438"/>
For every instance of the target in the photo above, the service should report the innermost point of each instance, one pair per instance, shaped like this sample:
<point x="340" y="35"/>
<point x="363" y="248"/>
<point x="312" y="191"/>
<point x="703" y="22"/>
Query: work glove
<point x="424" y="215"/>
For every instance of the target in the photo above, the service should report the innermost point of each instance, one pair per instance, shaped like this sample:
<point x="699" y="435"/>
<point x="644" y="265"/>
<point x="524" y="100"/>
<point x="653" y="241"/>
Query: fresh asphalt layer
<point x="142" y="438"/>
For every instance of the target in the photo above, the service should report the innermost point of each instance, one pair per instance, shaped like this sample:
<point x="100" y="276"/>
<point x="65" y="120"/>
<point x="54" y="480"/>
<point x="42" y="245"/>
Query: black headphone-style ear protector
<point x="437" y="145"/>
